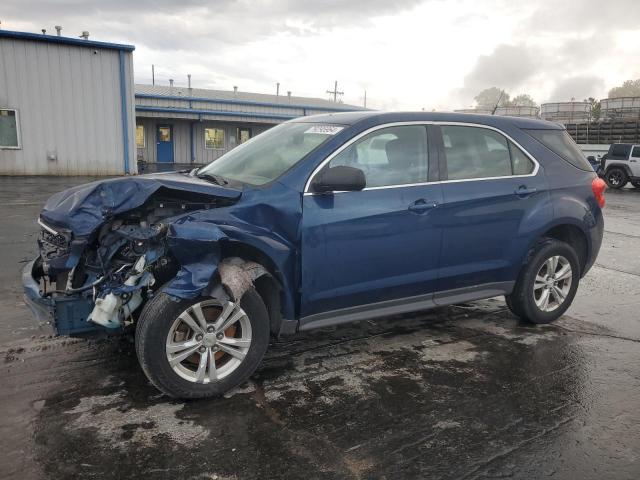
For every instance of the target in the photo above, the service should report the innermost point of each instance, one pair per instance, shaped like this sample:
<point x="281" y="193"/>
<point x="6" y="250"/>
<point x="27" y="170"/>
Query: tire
<point x="158" y="321"/>
<point x="527" y="303"/>
<point x="616" y="177"/>
<point x="636" y="183"/>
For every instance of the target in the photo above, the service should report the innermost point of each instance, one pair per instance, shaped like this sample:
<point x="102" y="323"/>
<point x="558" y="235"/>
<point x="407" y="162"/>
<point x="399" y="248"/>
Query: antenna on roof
<point x="493" y="112"/>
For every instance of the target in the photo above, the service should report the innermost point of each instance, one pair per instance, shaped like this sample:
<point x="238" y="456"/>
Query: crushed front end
<point x="105" y="247"/>
<point x="88" y="284"/>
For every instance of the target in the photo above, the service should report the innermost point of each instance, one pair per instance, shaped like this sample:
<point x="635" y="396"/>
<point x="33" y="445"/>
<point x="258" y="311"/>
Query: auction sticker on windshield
<point x="324" y="129"/>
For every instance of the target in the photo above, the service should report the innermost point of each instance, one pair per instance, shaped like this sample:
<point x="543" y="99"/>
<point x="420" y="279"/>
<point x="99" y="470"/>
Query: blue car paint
<point x="359" y="247"/>
<point x="335" y="254"/>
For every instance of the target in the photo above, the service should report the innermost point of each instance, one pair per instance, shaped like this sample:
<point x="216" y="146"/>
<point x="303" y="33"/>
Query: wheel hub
<point x="209" y="340"/>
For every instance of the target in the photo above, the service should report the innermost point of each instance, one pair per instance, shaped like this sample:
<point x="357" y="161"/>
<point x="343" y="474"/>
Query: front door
<point x="495" y="196"/>
<point x="379" y="244"/>
<point x="634" y="161"/>
<point x="164" y="144"/>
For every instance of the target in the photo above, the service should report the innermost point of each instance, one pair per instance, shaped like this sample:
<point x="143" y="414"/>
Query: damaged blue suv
<point x="318" y="221"/>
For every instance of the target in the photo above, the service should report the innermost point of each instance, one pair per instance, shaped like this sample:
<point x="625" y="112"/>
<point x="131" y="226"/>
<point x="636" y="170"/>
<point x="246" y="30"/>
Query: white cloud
<point x="411" y="54"/>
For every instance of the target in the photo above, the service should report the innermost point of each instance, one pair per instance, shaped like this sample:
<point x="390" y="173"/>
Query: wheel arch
<point x="270" y="286"/>
<point x="571" y="234"/>
<point x="620" y="165"/>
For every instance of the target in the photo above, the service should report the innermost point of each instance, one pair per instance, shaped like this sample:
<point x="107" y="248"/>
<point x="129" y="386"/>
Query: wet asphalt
<point x="462" y="392"/>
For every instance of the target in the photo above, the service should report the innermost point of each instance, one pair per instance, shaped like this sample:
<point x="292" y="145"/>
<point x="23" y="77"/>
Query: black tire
<point x="616" y="177"/>
<point x="636" y="183"/>
<point x="151" y="335"/>
<point x="522" y="302"/>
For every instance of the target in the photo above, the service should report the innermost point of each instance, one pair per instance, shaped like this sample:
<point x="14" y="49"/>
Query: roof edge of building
<point x="39" y="37"/>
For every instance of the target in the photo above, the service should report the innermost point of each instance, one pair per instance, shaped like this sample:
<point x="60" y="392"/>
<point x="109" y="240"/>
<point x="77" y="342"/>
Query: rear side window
<point x="636" y="152"/>
<point x="474" y="152"/>
<point x="621" y="151"/>
<point x="561" y="143"/>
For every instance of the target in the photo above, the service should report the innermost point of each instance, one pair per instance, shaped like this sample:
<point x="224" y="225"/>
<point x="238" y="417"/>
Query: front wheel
<point x="202" y="347"/>
<point x="547" y="284"/>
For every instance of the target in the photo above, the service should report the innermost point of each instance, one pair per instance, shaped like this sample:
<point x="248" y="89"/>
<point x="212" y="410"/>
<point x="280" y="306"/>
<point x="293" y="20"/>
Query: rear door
<point x="366" y="247"/>
<point x="491" y="188"/>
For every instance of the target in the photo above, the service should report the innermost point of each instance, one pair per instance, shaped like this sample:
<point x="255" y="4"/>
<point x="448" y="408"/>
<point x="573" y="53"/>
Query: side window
<point x="635" y="153"/>
<point x="9" y="137"/>
<point x="389" y="156"/>
<point x="140" y="140"/>
<point x="474" y="152"/>
<point x="520" y="163"/>
<point x="620" y="150"/>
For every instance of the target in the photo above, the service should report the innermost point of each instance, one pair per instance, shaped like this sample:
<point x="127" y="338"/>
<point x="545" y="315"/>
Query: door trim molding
<point x="405" y="305"/>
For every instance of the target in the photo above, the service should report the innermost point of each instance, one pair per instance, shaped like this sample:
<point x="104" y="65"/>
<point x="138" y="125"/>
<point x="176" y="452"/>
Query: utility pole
<point x="335" y="91"/>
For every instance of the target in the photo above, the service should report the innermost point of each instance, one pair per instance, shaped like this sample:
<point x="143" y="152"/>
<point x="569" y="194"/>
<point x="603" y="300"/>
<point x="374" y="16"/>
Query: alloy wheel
<point x="552" y="283"/>
<point x="208" y="341"/>
<point x="615" y="178"/>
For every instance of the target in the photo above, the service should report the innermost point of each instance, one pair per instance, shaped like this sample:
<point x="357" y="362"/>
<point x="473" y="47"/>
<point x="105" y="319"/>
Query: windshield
<point x="267" y="156"/>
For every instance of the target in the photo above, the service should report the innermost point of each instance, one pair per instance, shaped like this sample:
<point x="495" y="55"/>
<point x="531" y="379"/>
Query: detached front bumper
<point x="67" y="313"/>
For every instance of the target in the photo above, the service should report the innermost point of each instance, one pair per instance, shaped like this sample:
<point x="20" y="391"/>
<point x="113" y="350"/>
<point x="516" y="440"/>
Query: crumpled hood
<point x="84" y="208"/>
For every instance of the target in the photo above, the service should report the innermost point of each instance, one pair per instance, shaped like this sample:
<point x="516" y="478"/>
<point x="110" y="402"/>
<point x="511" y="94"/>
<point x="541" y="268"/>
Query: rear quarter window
<point x="561" y="143"/>
<point x="621" y="151"/>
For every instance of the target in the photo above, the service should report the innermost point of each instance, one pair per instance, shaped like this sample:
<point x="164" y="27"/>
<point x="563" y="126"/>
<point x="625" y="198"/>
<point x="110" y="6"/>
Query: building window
<point x="243" y="135"/>
<point x="9" y="128"/>
<point x="213" y="138"/>
<point x="140" y="138"/>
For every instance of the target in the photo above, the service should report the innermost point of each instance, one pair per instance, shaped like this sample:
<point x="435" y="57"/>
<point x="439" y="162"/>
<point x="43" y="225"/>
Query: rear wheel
<point x="202" y="347"/>
<point x="547" y="283"/>
<point x="616" y="177"/>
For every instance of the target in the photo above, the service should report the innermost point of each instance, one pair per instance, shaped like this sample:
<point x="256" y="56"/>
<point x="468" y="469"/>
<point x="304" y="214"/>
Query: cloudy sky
<point x="407" y="54"/>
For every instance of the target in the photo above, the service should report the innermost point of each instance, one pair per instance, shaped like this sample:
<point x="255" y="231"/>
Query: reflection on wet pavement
<point x="458" y="392"/>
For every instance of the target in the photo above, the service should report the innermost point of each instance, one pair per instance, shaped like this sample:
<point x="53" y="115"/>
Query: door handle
<point x="422" y="206"/>
<point x="523" y="191"/>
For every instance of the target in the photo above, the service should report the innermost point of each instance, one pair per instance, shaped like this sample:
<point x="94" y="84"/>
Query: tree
<point x="630" y="88"/>
<point x="489" y="98"/>
<point x="595" y="108"/>
<point x="523" y="100"/>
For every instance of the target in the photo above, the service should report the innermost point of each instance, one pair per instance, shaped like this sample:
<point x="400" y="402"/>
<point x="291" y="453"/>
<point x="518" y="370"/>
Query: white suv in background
<point x="621" y="165"/>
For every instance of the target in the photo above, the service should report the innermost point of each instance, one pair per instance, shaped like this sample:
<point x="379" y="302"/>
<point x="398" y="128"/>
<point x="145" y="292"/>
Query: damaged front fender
<point x="196" y="247"/>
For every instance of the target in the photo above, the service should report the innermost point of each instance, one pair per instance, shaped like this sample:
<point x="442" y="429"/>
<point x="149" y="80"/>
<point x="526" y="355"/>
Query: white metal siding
<point x="70" y="105"/>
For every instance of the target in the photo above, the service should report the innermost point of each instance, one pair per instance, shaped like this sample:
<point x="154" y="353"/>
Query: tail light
<point x="599" y="187"/>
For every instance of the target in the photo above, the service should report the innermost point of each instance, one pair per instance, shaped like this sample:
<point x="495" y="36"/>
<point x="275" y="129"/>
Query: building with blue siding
<point x="69" y="106"/>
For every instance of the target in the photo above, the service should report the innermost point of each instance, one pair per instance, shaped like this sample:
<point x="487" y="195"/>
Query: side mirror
<point x="339" y="179"/>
